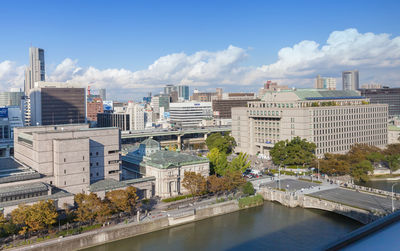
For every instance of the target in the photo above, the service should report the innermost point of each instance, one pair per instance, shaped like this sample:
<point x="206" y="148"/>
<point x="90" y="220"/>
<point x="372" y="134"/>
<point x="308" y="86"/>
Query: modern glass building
<point x="390" y="96"/>
<point x="350" y="80"/>
<point x="183" y="92"/>
<point x="36" y="70"/>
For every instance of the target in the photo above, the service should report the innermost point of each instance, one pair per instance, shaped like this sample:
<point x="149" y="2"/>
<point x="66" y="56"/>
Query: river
<point x="271" y="226"/>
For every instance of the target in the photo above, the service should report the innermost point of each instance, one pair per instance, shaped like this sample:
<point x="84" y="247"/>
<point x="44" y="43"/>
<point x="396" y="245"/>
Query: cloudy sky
<point x="131" y="48"/>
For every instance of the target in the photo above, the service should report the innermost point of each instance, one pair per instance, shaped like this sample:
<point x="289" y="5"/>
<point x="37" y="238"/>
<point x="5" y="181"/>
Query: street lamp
<point x="393" y="196"/>
<point x="279" y="177"/>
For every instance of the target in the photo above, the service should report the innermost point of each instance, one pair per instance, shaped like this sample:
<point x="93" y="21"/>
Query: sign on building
<point x="3" y="112"/>
<point x="108" y="105"/>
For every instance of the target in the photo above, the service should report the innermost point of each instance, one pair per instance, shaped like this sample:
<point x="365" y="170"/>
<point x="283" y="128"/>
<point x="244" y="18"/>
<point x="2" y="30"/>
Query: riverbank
<point x="385" y="177"/>
<point x="123" y="231"/>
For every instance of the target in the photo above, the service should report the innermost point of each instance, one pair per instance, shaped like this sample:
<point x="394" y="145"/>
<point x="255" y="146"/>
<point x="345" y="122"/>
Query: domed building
<point x="168" y="167"/>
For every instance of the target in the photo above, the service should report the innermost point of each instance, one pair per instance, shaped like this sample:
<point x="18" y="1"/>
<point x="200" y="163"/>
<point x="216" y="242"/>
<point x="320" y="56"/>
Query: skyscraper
<point x="102" y="94"/>
<point x="350" y="80"/>
<point x="36" y="70"/>
<point x="183" y="92"/>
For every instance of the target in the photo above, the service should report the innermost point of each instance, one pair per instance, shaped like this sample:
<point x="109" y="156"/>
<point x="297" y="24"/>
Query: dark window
<point x="65" y="171"/>
<point x="97" y="153"/>
<point x="97" y="174"/>
<point x="90" y="154"/>
<point x="83" y="157"/>
<point x="65" y="160"/>
<point x="65" y="183"/>
<point x="97" y="163"/>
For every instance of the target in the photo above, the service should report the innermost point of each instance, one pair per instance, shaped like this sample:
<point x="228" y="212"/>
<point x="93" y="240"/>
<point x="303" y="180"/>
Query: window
<point x="83" y="169"/>
<point x="65" y="171"/>
<point x="65" y="160"/>
<point x="83" y="180"/>
<point x="97" y="163"/>
<point x="83" y="158"/>
<point x="97" y="174"/>
<point x="97" y="153"/>
<point x="90" y="153"/>
<point x="65" y="183"/>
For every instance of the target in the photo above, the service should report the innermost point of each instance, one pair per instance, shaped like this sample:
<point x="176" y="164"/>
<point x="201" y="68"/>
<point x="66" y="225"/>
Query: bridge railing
<point x="371" y="190"/>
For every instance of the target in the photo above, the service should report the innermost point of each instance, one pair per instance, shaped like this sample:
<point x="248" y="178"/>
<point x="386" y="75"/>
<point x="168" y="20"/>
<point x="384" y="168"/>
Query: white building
<point x="189" y="114"/>
<point x="325" y="83"/>
<point x="333" y="120"/>
<point x="136" y="116"/>
<point x="350" y="80"/>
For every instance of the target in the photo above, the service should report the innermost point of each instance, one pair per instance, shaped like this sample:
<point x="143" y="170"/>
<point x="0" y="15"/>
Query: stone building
<point x="333" y="120"/>
<point x="167" y="167"/>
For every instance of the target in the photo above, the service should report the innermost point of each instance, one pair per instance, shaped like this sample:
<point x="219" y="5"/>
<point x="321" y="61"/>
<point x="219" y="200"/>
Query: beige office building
<point x="72" y="156"/>
<point x="333" y="120"/>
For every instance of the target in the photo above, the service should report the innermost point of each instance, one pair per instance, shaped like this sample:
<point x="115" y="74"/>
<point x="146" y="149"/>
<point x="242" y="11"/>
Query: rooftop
<point x="166" y="159"/>
<point x="317" y="94"/>
<point x="23" y="189"/>
<point x="150" y="143"/>
<point x="111" y="184"/>
<point x="11" y="171"/>
<point x="56" y="195"/>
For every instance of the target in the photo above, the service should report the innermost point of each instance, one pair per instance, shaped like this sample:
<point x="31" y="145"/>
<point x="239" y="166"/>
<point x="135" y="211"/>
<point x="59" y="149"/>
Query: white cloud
<point x="376" y="56"/>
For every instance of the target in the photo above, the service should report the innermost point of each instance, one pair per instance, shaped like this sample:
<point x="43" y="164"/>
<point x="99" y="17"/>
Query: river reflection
<point x="270" y="227"/>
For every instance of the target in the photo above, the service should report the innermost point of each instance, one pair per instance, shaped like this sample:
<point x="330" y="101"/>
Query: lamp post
<point x="318" y="168"/>
<point x="393" y="196"/>
<point x="279" y="177"/>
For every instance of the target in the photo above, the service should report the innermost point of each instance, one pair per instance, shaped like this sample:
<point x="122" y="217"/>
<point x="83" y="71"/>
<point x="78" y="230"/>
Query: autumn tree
<point x="36" y="217"/>
<point x="88" y="206"/>
<point x="215" y="184"/>
<point x="233" y="180"/>
<point x="195" y="183"/>
<point x="334" y="164"/>
<point x="123" y="200"/>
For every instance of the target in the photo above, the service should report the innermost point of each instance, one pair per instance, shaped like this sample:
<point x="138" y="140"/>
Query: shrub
<point x="248" y="188"/>
<point x="180" y="197"/>
<point x="256" y="200"/>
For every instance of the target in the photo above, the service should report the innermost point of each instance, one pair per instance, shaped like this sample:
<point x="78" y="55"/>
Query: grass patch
<point x="314" y="181"/>
<point x="180" y="197"/>
<point x="250" y="201"/>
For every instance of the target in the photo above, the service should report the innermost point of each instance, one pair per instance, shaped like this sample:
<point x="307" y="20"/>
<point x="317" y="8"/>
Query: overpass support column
<point x="180" y="142"/>
<point x="205" y="136"/>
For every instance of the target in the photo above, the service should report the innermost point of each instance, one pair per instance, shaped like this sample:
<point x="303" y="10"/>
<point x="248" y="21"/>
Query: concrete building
<point x="270" y="86"/>
<point x="11" y="98"/>
<point x="36" y="70"/>
<point x="94" y="107"/>
<point x="333" y="120"/>
<point x="168" y="89"/>
<point x="10" y="117"/>
<point x="126" y="118"/>
<point x="222" y="106"/>
<point x="350" y="80"/>
<point x="371" y="86"/>
<point x="204" y="96"/>
<point x="136" y="116"/>
<point x="325" y="83"/>
<point x="167" y="167"/>
<point x="160" y="100"/>
<point x="386" y="95"/>
<point x="73" y="155"/>
<point x="189" y="114"/>
<point x="53" y="103"/>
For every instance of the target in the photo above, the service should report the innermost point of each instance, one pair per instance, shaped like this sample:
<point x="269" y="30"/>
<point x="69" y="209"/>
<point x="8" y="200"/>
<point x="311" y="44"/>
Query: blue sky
<point x="132" y="35"/>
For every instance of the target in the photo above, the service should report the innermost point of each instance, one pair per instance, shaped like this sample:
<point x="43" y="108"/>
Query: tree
<point x="295" y="152"/>
<point x="360" y="171"/>
<point x="248" y="188"/>
<point x="215" y="184"/>
<point x="218" y="162"/>
<point x="393" y="161"/>
<point x="123" y="200"/>
<point x="224" y="144"/>
<point x="233" y="180"/>
<point x="36" y="217"/>
<point x="240" y="163"/>
<point x="195" y="183"/>
<point x="88" y="206"/>
<point x="333" y="164"/>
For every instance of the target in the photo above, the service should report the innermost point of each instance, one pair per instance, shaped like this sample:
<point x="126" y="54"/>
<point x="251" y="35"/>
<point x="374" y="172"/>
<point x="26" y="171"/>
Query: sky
<point x="133" y="47"/>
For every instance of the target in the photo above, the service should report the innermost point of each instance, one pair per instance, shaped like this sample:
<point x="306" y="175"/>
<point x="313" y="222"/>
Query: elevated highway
<point x="168" y="136"/>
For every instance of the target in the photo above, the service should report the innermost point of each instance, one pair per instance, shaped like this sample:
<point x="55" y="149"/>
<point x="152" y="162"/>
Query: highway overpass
<point x="180" y="137"/>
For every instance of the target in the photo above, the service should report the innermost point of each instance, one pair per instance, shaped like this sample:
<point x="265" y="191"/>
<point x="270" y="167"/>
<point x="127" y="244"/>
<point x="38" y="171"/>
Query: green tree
<point x="225" y="144"/>
<point x="361" y="170"/>
<point x="195" y="183"/>
<point x="248" y="188"/>
<point x="295" y="152"/>
<point x="240" y="163"/>
<point x="218" y="162"/>
<point x="393" y="161"/>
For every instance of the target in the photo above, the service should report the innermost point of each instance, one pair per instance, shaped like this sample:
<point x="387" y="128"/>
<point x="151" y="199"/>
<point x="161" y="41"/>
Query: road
<point x="358" y="199"/>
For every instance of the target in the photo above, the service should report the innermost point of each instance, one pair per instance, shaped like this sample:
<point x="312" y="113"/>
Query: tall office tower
<point x="350" y="80"/>
<point x="102" y="94"/>
<point x="168" y="89"/>
<point x="55" y="103"/>
<point x="36" y="70"/>
<point x="183" y="92"/>
<point x="325" y="83"/>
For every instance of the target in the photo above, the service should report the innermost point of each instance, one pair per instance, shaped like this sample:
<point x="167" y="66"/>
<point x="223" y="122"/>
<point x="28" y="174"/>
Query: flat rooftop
<point x="11" y="171"/>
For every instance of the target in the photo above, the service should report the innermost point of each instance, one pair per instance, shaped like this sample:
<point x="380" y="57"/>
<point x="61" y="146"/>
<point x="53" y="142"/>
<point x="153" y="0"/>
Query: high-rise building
<point x="325" y="83"/>
<point x="270" y="86"/>
<point x="189" y="114"/>
<point x="136" y="113"/>
<point x="333" y="120"/>
<point x="11" y="98"/>
<point x="102" y="94"/>
<point x="36" y="70"/>
<point x="350" y="80"/>
<point x="10" y="117"/>
<point x="386" y="95"/>
<point x="55" y="103"/>
<point x="94" y="107"/>
<point x="170" y="88"/>
<point x="183" y="92"/>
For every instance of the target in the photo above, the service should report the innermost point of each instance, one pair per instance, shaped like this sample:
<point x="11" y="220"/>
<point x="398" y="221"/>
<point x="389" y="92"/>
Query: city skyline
<point x="290" y="53"/>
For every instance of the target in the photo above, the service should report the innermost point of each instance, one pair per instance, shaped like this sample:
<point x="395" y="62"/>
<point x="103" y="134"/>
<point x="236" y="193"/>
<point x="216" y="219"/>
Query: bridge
<point x="169" y="136"/>
<point x="359" y="203"/>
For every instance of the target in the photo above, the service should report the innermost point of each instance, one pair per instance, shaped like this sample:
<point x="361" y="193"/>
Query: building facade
<point x="325" y="83"/>
<point x="12" y="98"/>
<point x="333" y="120"/>
<point x="189" y="114"/>
<point x="57" y="103"/>
<point x="36" y="70"/>
<point x="183" y="92"/>
<point x="73" y="156"/>
<point x="350" y="80"/>
<point x="389" y="96"/>
<point x="10" y="117"/>
<point x="94" y="107"/>
<point x="167" y="167"/>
